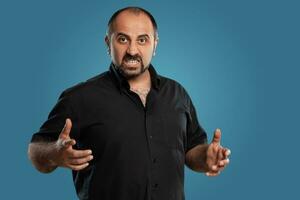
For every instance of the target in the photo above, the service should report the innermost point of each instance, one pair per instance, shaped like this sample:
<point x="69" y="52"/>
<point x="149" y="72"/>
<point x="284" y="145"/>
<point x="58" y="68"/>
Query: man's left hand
<point x="217" y="157"/>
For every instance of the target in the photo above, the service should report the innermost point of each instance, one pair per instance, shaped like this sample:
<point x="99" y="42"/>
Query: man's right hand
<point x="65" y="155"/>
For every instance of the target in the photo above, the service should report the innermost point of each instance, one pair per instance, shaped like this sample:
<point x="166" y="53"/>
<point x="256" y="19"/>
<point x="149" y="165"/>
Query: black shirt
<point x="139" y="151"/>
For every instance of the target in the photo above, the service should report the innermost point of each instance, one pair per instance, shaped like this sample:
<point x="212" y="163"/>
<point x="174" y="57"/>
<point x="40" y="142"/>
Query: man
<point x="127" y="133"/>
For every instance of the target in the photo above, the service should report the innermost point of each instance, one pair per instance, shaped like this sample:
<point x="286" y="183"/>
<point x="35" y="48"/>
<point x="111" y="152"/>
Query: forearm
<point x="195" y="158"/>
<point x="41" y="154"/>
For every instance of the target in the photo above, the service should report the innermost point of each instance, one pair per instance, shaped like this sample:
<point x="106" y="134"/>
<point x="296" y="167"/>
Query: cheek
<point x="117" y="53"/>
<point x="147" y="53"/>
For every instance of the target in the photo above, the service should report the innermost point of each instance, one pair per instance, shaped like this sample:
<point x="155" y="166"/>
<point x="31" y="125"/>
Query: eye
<point x="122" y="39"/>
<point x="142" y="40"/>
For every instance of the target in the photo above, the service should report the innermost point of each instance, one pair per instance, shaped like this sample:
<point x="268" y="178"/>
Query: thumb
<point x="217" y="136"/>
<point x="65" y="133"/>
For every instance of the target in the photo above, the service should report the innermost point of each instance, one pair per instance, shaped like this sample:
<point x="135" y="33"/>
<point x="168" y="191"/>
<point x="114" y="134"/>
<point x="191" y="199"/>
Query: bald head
<point x="133" y="10"/>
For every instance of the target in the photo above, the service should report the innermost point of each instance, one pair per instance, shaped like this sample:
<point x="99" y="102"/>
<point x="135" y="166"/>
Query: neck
<point x="141" y="81"/>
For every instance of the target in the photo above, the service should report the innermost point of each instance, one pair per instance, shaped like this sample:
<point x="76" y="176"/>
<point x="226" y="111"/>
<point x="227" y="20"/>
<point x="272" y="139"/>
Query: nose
<point x="132" y="49"/>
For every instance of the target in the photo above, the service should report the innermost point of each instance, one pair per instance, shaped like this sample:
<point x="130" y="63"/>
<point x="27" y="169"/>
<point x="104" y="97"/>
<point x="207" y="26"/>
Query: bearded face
<point x="131" y="43"/>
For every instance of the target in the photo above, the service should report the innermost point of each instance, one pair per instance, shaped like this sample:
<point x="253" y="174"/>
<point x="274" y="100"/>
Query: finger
<point x="227" y="152"/>
<point x="219" y="166"/>
<point x="79" y="153"/>
<point x="212" y="173"/>
<point x="78" y="167"/>
<point x="65" y="133"/>
<point x="217" y="136"/>
<point x="80" y="161"/>
<point x="221" y="169"/>
<point x="223" y="163"/>
<point x="221" y="156"/>
<point x="68" y="142"/>
<point x="214" y="168"/>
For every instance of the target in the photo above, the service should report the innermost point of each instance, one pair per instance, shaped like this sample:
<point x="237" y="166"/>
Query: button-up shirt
<point x="139" y="151"/>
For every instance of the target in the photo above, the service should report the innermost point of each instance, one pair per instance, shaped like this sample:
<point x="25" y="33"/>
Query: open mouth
<point x="132" y="62"/>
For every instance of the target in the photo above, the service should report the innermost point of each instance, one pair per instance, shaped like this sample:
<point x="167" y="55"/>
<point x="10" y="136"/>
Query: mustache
<point x="132" y="57"/>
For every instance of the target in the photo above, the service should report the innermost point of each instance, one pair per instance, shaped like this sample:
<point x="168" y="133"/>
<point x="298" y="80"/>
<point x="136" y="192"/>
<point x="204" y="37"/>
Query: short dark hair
<point x="136" y="10"/>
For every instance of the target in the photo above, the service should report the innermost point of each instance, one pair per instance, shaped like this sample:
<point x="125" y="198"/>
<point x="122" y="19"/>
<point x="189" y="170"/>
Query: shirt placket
<point x="153" y="184"/>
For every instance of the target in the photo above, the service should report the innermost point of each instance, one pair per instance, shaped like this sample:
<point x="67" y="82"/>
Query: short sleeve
<point x="51" y="128"/>
<point x="195" y="133"/>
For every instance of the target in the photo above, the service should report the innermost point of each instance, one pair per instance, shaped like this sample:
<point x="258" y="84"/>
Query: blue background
<point x="239" y="61"/>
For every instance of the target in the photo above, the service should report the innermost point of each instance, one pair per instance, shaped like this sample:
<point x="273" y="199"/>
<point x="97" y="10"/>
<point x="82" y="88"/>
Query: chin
<point x="131" y="73"/>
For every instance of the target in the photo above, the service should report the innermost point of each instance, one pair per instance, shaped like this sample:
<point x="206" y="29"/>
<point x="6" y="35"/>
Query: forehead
<point x="133" y="24"/>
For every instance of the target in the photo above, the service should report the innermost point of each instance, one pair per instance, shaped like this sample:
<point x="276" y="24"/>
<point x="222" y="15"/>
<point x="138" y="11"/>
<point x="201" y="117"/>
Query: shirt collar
<point x="122" y="82"/>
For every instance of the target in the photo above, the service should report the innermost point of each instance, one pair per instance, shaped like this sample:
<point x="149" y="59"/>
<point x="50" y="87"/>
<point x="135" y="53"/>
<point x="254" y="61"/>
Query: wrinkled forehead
<point x="133" y="24"/>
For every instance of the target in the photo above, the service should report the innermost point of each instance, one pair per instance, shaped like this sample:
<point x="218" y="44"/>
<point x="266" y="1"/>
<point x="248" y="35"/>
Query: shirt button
<point x="151" y="136"/>
<point x="154" y="160"/>
<point x="155" y="186"/>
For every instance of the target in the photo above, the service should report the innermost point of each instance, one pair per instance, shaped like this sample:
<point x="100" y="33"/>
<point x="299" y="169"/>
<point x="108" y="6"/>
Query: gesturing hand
<point x="65" y="155"/>
<point x="216" y="156"/>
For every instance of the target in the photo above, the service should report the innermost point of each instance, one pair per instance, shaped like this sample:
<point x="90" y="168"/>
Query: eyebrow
<point x="144" y="35"/>
<point x="124" y="34"/>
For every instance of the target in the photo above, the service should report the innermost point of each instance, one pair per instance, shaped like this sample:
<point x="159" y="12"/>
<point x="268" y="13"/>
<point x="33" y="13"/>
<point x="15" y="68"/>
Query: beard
<point x="131" y="66"/>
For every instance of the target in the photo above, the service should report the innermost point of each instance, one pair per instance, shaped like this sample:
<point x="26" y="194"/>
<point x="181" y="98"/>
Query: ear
<point x="106" y="39"/>
<point x="155" y="43"/>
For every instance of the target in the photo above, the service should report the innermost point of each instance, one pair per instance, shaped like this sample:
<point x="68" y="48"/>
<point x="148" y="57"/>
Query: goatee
<point x="131" y="72"/>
